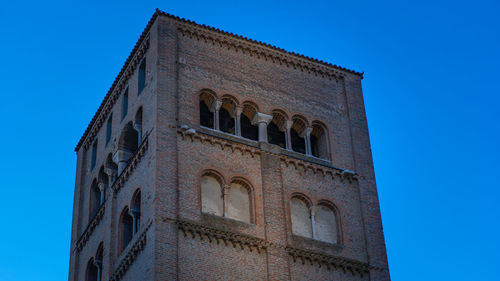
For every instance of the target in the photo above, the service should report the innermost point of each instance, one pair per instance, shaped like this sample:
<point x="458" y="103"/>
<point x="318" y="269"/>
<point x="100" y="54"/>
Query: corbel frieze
<point x="330" y="262"/>
<point x="333" y="172"/>
<point x="131" y="255"/>
<point x="90" y="228"/>
<point x="228" y="238"/>
<point x="211" y="234"/>
<point x="132" y="164"/>
<point x="254" y="49"/>
<point x="117" y="91"/>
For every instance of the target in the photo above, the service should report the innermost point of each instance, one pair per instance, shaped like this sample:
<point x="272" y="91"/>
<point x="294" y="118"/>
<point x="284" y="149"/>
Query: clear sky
<point x="431" y="93"/>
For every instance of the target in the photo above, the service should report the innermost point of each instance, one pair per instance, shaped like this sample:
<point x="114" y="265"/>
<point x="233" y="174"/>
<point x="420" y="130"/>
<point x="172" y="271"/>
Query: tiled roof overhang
<point x="206" y="27"/>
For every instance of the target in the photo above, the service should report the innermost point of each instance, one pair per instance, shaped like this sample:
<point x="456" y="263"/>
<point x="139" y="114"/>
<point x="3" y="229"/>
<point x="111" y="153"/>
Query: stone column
<point x="217" y="105"/>
<point x="307" y="136"/>
<point x="135" y="220"/>
<point x="111" y="175"/>
<point x="138" y="128"/>
<point x="101" y="191"/>
<point x="238" y="110"/>
<point x="312" y="210"/>
<point x="262" y="120"/>
<point x="288" y="135"/>
<point x="121" y="157"/>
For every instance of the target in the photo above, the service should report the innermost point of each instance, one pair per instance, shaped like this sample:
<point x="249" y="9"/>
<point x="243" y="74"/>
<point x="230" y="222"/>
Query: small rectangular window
<point x="94" y="155"/>
<point x="142" y="76"/>
<point x="109" y="126"/>
<point x="125" y="104"/>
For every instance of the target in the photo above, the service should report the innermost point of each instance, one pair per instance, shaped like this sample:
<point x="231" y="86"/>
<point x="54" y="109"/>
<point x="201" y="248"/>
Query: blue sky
<point x="431" y="94"/>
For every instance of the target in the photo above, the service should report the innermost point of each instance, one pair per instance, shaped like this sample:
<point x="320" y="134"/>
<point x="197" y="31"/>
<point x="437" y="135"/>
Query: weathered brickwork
<point x="158" y="152"/>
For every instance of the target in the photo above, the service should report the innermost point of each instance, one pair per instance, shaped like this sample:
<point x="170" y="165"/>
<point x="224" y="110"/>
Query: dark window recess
<point x="95" y="199"/>
<point x="142" y="77"/>
<point x="94" y="155"/>
<point x="129" y="138"/>
<point x="206" y="117"/>
<point x="125" y="104"/>
<point x="314" y="145"/>
<point x="91" y="271"/>
<point x="127" y="227"/>
<point x="248" y="130"/>
<point x="226" y="122"/>
<point x="275" y="136"/>
<point x="109" y="127"/>
<point x="298" y="143"/>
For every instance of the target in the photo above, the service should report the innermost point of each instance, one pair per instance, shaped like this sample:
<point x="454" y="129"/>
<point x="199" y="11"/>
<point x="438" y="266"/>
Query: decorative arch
<point x="327" y="224"/>
<point x="276" y="130"/>
<point x="125" y="232"/>
<point x="91" y="271"/>
<point x="211" y="186"/>
<point x="95" y="199"/>
<point x="319" y="140"/>
<point x="135" y="210"/>
<point x="207" y="108"/>
<point x="300" y="215"/>
<point x="298" y="134"/>
<point x="248" y="129"/>
<point x="227" y="114"/>
<point x="128" y="138"/>
<point x="239" y="203"/>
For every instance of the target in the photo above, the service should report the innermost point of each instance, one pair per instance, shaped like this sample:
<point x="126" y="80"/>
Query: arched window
<point x="136" y="211"/>
<point x="297" y="135"/>
<point x="103" y="178"/>
<point x="248" y="130"/>
<point x="142" y="77"/>
<point x="125" y="229"/>
<point x="301" y="217"/>
<point x="319" y="143"/>
<point x="326" y="224"/>
<point x="276" y="129"/>
<point x="95" y="199"/>
<point x="227" y="114"/>
<point x="238" y="202"/>
<point x="207" y="109"/>
<point x="138" y="125"/>
<point x="91" y="272"/>
<point x="98" y="261"/>
<point x="211" y="195"/>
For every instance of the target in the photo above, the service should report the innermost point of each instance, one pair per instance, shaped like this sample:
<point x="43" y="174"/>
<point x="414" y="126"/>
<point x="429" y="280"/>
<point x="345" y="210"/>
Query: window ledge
<point x="80" y="243"/>
<point x="310" y="243"/>
<point x="225" y="222"/>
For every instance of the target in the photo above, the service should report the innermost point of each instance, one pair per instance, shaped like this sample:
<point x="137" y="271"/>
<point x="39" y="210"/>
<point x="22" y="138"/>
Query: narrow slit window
<point x="109" y="127"/>
<point x="142" y="77"/>
<point x="125" y="104"/>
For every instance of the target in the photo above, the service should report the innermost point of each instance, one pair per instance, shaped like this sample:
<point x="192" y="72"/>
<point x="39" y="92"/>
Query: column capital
<point x="238" y="110"/>
<point x="101" y="186"/>
<point x="108" y="171"/>
<point x="137" y="127"/>
<point x="217" y="104"/>
<point x="306" y="132"/>
<point x="261" y="118"/>
<point x="312" y="210"/>
<point x="288" y="124"/>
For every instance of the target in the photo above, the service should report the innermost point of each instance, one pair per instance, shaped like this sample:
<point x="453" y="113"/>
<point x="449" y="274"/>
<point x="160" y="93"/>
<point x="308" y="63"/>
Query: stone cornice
<point x="132" y="252"/>
<point x="80" y="243"/>
<point x="229" y="238"/>
<point x="132" y="164"/>
<point x="235" y="144"/>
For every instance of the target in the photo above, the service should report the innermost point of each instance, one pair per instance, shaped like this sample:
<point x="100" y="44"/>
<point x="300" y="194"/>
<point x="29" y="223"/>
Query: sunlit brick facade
<point x="216" y="157"/>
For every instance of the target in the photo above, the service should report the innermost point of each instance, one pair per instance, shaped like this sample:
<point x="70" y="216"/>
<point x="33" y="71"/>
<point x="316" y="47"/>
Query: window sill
<point x="314" y="244"/>
<point x="225" y="222"/>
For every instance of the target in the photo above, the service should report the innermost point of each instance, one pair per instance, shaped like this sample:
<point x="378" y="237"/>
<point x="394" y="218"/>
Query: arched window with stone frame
<point x="138" y="125"/>
<point x="300" y="214"/>
<point x="238" y="201"/>
<point x="212" y="201"/>
<point x="298" y="134"/>
<point x="125" y="229"/>
<point x="104" y="181"/>
<point x="111" y="168"/>
<point x="227" y="115"/>
<point x="276" y="130"/>
<point x="136" y="211"/>
<point x="326" y="223"/>
<point x="98" y="260"/>
<point x="207" y="109"/>
<point x="319" y="141"/>
<point x="94" y="199"/>
<point x="248" y="129"/>
<point x="127" y="146"/>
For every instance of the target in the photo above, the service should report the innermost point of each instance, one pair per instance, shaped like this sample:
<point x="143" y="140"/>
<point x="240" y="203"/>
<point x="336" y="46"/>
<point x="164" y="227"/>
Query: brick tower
<point x="217" y="157"/>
